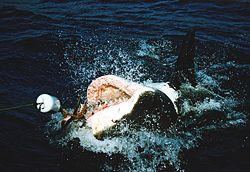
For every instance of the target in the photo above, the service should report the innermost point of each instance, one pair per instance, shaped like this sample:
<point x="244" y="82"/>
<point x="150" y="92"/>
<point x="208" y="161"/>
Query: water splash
<point x="144" y="150"/>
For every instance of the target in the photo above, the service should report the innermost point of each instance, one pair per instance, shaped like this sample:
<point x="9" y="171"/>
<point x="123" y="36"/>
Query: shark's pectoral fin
<point x="184" y="71"/>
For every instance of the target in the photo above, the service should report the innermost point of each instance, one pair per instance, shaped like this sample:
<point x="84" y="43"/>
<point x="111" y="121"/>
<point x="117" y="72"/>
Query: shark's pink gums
<point x="97" y="86"/>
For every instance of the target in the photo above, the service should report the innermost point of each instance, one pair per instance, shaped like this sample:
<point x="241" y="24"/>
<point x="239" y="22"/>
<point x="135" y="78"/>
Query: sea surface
<point x="59" y="46"/>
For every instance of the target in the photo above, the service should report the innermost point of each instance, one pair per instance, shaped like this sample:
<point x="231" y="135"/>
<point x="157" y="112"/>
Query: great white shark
<point x="112" y="99"/>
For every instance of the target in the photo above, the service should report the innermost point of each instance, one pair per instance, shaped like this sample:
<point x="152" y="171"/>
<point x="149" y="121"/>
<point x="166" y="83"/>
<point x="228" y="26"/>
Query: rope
<point x="17" y="107"/>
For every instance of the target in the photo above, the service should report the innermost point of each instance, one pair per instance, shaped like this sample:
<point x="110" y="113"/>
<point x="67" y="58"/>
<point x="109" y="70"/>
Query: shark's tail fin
<point x="184" y="71"/>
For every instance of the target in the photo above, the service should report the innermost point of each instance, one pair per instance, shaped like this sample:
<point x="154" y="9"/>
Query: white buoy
<point x="46" y="103"/>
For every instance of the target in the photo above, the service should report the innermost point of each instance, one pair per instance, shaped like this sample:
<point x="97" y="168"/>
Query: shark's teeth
<point x="108" y="95"/>
<point x="104" y="103"/>
<point x="121" y="99"/>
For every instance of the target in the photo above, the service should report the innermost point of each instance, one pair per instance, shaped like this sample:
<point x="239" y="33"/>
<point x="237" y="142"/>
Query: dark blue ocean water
<point x="59" y="47"/>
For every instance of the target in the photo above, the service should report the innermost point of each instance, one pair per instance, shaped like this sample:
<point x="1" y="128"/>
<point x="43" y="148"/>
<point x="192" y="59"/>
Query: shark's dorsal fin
<point x="184" y="71"/>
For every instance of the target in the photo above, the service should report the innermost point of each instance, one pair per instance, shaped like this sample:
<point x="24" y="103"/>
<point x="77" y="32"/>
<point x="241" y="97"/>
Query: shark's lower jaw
<point x="111" y="98"/>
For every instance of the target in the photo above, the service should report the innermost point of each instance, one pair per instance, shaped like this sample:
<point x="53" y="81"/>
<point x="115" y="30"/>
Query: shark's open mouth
<point x="106" y="96"/>
<point x="107" y="91"/>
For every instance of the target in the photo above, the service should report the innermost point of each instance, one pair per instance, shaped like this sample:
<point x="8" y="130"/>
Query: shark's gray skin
<point x="111" y="99"/>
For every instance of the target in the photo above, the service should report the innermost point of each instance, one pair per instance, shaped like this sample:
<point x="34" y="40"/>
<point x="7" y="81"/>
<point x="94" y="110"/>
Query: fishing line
<point x="19" y="106"/>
